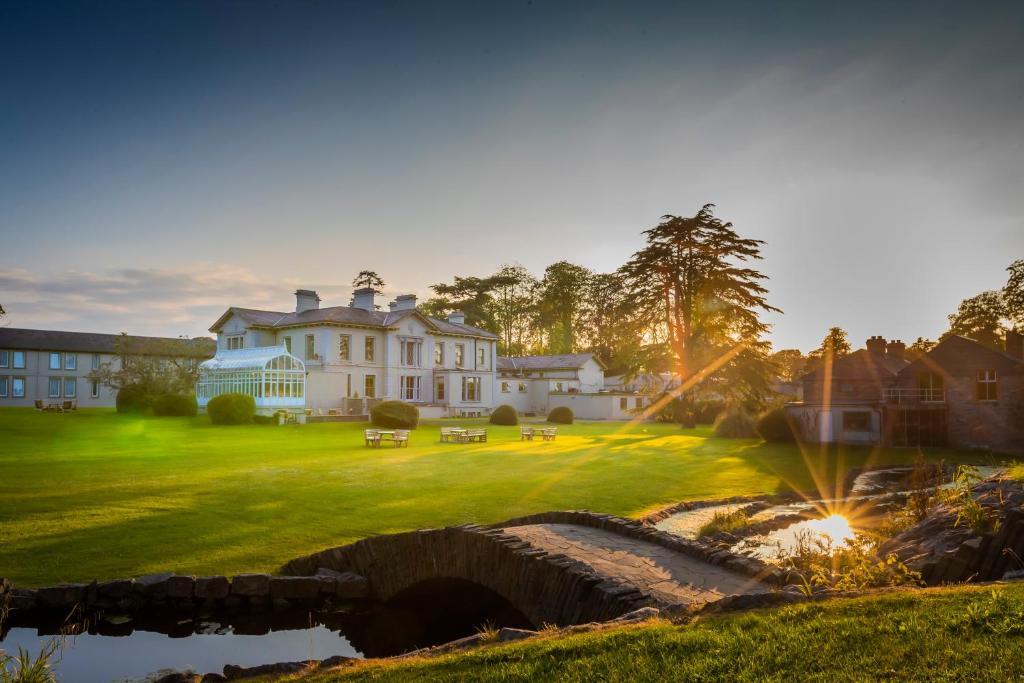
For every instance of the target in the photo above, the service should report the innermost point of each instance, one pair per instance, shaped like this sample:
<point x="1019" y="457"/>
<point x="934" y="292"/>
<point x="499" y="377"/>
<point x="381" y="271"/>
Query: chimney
<point x="405" y="302"/>
<point x="364" y="299"/>
<point x="895" y="349"/>
<point x="306" y="300"/>
<point x="457" y="318"/>
<point x="876" y="346"/>
<point x="1015" y="344"/>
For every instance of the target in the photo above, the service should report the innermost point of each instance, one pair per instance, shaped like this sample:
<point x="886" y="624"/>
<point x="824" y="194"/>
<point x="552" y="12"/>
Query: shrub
<point x="504" y="415"/>
<point x="395" y="415"/>
<point x="133" y="399"/>
<point x="231" y="409"/>
<point x="175" y="405"/>
<point x="705" y="412"/>
<point x="561" y="415"/>
<point x="734" y="424"/>
<point x="775" y="426"/>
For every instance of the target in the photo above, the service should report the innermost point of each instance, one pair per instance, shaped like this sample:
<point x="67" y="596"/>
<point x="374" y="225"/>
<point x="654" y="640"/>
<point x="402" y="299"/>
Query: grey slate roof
<point x="862" y="364"/>
<point x="344" y="315"/>
<point x="92" y="342"/>
<point x="564" y="361"/>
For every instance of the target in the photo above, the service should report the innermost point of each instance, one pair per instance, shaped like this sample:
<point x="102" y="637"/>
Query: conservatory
<point x="272" y="376"/>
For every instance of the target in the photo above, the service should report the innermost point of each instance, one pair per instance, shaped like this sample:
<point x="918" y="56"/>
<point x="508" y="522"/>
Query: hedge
<point x="561" y="415"/>
<point x="133" y="399"/>
<point x="504" y="415"/>
<point x="176" y="405"/>
<point x="231" y="409"/>
<point x="395" y="415"/>
<point x="775" y="426"/>
<point x="734" y="424"/>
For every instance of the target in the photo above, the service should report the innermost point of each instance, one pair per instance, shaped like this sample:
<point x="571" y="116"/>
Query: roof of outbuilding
<point x="93" y="342"/>
<point x="345" y="315"/>
<point x="863" y="364"/>
<point x="562" y="361"/>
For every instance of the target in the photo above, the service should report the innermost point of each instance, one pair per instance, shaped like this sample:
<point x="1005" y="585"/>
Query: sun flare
<point x="836" y="527"/>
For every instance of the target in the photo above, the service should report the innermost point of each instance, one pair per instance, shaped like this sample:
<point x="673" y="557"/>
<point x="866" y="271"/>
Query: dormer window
<point x="236" y="341"/>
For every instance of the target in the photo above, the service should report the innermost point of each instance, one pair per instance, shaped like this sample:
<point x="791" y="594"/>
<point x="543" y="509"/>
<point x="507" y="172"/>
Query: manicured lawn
<point x="951" y="634"/>
<point x="96" y="495"/>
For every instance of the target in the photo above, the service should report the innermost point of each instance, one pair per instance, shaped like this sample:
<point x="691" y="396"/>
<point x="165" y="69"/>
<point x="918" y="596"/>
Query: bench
<point x="449" y="434"/>
<point x="526" y="433"/>
<point x="548" y="433"/>
<point x="372" y="437"/>
<point x="473" y="435"/>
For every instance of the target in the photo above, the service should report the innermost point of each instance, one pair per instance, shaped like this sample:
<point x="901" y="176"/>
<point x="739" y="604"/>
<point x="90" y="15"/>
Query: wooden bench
<point x="449" y="434"/>
<point x="372" y="437"/>
<point x="474" y="435"/>
<point x="548" y="433"/>
<point x="526" y="433"/>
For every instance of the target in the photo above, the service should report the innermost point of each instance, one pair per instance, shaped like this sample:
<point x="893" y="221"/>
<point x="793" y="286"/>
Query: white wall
<point x="598" y="406"/>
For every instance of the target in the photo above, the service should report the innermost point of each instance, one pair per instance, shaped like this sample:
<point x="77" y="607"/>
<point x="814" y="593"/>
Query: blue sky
<point x="162" y="161"/>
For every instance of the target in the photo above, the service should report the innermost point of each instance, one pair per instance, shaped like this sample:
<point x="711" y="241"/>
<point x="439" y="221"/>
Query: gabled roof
<point x="564" y="361"/>
<point x="861" y="364"/>
<point x="932" y="360"/>
<point x="344" y="315"/>
<point x="93" y="342"/>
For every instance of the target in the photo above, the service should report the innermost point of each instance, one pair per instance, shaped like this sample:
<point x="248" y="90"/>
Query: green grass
<point x="97" y="495"/>
<point x="724" y="520"/>
<point x="951" y="634"/>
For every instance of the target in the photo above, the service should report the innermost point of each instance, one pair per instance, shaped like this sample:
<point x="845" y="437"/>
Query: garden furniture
<point x="449" y="434"/>
<point x="469" y="435"/>
<point x="526" y="433"/>
<point x="39" y="405"/>
<point x="548" y="433"/>
<point x="400" y="438"/>
<point x="372" y="437"/>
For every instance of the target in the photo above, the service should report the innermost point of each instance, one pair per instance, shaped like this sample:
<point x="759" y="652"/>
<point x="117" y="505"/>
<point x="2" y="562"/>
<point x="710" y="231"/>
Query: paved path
<point x="666" y="575"/>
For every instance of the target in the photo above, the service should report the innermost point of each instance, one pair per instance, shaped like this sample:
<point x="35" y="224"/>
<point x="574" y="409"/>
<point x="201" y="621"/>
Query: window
<point x="54" y="360"/>
<point x="930" y="386"/>
<point x="94" y="389"/>
<point x="370" y="385"/>
<point x="368" y="351"/>
<point x="506" y="387"/>
<point x="439" y="389"/>
<point x="18" y="387"/>
<point x="522" y="387"/>
<point x="53" y="389"/>
<point x="345" y="347"/>
<point x="857" y="421"/>
<point x="409" y="352"/>
<point x="439" y="353"/>
<point x="18" y="358"/>
<point x="96" y="359"/>
<point x="236" y="341"/>
<point x="470" y="388"/>
<point x="559" y="386"/>
<point x="70" y="361"/>
<point x="638" y="402"/>
<point x="311" y="347"/>
<point x="987" y="388"/>
<point x="481" y="356"/>
<point x="460" y="355"/>
<point x="410" y="388"/>
<point x="70" y="387"/>
<point x="348" y="385"/>
<point x="5" y="359"/>
<point x="623" y="403"/>
<point x="288" y="344"/>
<point x="4" y="387"/>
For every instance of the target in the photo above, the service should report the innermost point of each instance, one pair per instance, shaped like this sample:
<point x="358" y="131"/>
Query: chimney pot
<point x="876" y="345"/>
<point x="457" y="318"/>
<point x="895" y="348"/>
<point x="306" y="300"/>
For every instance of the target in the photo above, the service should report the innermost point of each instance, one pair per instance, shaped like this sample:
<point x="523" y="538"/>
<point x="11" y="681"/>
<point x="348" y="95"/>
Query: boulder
<point x="232" y="672"/>
<point x="178" y="677"/>
<point x="21" y="599"/>
<point x="152" y="586"/>
<point x="180" y="587"/>
<point x="506" y="634"/>
<point x="61" y="596"/>
<point x="251" y="585"/>
<point x="351" y="586"/>
<point x="638" y="614"/>
<point x="212" y="587"/>
<point x="116" y="589"/>
<point x="296" y="587"/>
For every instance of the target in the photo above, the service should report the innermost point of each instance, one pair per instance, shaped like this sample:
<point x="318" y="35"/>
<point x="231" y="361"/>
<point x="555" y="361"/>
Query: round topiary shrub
<point x="395" y="415"/>
<point x="504" y="415"/>
<point x="231" y="409"/>
<point x="734" y="424"/>
<point x="774" y="425"/>
<point x="175" y="405"/>
<point x="561" y="415"/>
<point x="133" y="399"/>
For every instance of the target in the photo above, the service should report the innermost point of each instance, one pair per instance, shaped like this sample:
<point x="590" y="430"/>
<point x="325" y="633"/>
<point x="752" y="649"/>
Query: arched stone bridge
<point x="555" y="567"/>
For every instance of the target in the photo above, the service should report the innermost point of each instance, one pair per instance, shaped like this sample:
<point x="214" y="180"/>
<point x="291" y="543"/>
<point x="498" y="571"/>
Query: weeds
<point x="22" y="668"/>
<point x="994" y="614"/>
<point x="488" y="632"/>
<point x="724" y="520"/>
<point x="851" y="566"/>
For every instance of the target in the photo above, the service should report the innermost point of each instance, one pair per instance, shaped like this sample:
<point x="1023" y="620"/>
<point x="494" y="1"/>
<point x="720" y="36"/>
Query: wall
<point x="597" y="406"/>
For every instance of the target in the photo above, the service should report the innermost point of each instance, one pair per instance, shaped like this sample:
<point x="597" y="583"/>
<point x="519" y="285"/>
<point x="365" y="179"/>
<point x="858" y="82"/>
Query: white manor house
<point x="341" y="360"/>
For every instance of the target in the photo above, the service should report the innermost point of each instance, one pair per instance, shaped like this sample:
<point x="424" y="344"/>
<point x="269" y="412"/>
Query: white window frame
<point x="50" y="381"/>
<point x="345" y="347"/>
<point x="559" y="386"/>
<point x="235" y="342"/>
<point x="97" y="360"/>
<point x="439" y="388"/>
<point x="15" y="382"/>
<point x="506" y="388"/>
<point x="460" y="355"/>
<point x="94" y="390"/>
<point x="15" y="356"/>
<point x="55" y="356"/>
<point x="366" y="381"/>
<point x="481" y="357"/>
<point x="522" y="387"/>
<point x="410" y="390"/>
<point x="409" y="352"/>
<point x="309" y="347"/>
<point x="439" y="354"/>
<point x="288" y="343"/>
<point x="370" y="349"/>
<point x="72" y="383"/>
<point x="70" y="361"/>
<point x="988" y="379"/>
<point x="468" y="382"/>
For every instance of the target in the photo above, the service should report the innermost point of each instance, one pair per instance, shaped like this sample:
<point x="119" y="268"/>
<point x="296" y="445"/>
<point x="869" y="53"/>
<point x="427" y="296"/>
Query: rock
<point x="297" y="587"/>
<point x="152" y="586"/>
<point x="352" y="586"/>
<point x="212" y="587"/>
<point x="639" y="614"/>
<point x="336" y="660"/>
<point x="63" y="595"/>
<point x="178" y="677"/>
<point x="116" y="589"/>
<point x="213" y="678"/>
<point x="233" y="673"/>
<point x="21" y="599"/>
<point x="506" y="634"/>
<point x="180" y="587"/>
<point x="250" y="585"/>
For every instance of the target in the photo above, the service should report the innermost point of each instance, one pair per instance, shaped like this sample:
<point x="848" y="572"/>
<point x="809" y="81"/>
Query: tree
<point x="611" y="329"/>
<point x="561" y="304"/>
<point x="791" y="363"/>
<point x="368" y="278"/>
<point x="1013" y="293"/>
<point x="920" y="347"/>
<point x="980" y="318"/>
<point x="474" y="296"/>
<point x="691" y="280"/>
<point x="514" y="308"/>
<point x="836" y="344"/>
<point x="155" y="366"/>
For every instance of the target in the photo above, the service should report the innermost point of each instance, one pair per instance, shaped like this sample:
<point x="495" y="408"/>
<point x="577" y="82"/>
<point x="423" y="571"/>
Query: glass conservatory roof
<point x="258" y="358"/>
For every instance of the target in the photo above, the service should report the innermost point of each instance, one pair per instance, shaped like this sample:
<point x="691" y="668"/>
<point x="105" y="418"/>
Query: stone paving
<point x="665" y="575"/>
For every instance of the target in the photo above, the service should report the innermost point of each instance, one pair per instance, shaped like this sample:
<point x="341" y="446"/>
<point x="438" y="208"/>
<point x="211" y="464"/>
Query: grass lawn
<point x="96" y="495"/>
<point x="948" y="634"/>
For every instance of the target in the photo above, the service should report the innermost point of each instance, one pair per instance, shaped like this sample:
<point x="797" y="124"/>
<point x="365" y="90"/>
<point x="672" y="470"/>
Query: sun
<point x="835" y="527"/>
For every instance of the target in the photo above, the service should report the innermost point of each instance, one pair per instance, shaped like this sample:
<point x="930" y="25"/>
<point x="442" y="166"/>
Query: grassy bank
<point x="953" y="634"/>
<point x="96" y="495"/>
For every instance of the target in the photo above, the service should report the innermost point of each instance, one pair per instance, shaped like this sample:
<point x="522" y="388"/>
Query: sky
<point x="161" y="161"/>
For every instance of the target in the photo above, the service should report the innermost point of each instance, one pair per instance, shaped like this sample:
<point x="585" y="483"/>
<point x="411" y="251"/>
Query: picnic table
<point x="546" y="433"/>
<point x="398" y="437"/>
<point x="463" y="435"/>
